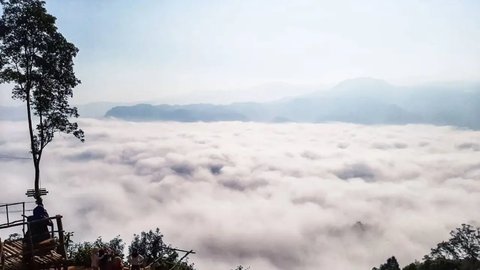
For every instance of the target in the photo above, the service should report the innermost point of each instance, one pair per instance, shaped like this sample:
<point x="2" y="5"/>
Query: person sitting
<point x="39" y="212"/>
<point x="39" y="223"/>
<point x="37" y="238"/>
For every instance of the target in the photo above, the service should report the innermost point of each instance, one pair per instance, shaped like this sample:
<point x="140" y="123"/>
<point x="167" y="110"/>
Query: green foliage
<point x="412" y="266"/>
<point x="464" y="243"/>
<point x="116" y="245"/>
<point x="444" y="264"/>
<point x="391" y="264"/>
<point x="460" y="252"/>
<point x="150" y="245"/>
<point x="80" y="253"/>
<point x="38" y="61"/>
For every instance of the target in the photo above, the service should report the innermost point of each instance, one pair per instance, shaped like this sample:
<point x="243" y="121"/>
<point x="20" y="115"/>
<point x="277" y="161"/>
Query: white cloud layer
<point x="271" y="196"/>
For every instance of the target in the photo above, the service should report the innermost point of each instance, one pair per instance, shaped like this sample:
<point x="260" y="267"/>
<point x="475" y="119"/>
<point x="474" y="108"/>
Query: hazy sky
<point x="153" y="50"/>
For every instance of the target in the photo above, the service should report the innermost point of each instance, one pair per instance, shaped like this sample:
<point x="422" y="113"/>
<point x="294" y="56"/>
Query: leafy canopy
<point x="461" y="252"/>
<point x="38" y="61"/>
<point x="391" y="264"/>
<point x="464" y="243"/>
<point x="158" y="255"/>
<point x="156" y="252"/>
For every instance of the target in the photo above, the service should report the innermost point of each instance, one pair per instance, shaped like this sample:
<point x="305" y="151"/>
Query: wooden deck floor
<point x="13" y="257"/>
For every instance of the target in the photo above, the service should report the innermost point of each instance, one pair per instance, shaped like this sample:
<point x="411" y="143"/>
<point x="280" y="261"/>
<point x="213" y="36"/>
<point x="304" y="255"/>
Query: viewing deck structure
<point x="24" y="252"/>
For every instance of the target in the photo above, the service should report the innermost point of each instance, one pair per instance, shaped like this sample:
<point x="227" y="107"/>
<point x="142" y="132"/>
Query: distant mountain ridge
<point x="363" y="101"/>
<point x="182" y="113"/>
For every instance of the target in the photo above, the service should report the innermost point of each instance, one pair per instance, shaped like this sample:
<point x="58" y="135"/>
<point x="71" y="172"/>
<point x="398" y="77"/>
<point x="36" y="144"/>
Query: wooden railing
<point x="60" y="232"/>
<point x="32" y="251"/>
<point x="11" y="223"/>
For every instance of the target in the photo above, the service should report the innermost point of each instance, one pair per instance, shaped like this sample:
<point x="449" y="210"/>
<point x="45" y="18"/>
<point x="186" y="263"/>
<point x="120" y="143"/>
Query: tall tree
<point x="38" y="61"/>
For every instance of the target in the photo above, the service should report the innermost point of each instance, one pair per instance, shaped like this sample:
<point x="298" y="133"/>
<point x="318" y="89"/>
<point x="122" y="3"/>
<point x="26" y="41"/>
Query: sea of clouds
<point x="269" y="196"/>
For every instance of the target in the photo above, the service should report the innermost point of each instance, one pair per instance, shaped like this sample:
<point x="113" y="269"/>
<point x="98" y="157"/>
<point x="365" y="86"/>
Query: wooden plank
<point x="18" y="244"/>
<point x="11" y="249"/>
<point x="31" y="192"/>
<point x="14" y="257"/>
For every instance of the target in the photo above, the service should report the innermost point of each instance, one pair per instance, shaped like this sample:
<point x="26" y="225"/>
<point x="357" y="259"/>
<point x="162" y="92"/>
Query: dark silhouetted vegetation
<point x="80" y="253"/>
<point x="391" y="264"/>
<point x="149" y="244"/>
<point x="460" y="252"/>
<point x="240" y="267"/>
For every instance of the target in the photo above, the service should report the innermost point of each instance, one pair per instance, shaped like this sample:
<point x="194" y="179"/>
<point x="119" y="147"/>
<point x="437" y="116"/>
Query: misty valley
<point x="282" y="196"/>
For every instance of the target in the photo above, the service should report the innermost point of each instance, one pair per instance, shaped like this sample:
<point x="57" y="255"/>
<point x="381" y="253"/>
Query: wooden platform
<point x="13" y="256"/>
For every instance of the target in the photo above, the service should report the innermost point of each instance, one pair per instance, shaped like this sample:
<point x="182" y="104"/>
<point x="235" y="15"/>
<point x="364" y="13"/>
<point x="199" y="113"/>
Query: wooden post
<point x="61" y="239"/>
<point x="23" y="216"/>
<point x="30" y="241"/>
<point x="6" y="210"/>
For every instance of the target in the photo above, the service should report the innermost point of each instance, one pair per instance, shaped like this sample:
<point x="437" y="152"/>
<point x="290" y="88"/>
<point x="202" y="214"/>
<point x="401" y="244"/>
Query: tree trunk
<point x="35" y="156"/>
<point x="37" y="178"/>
